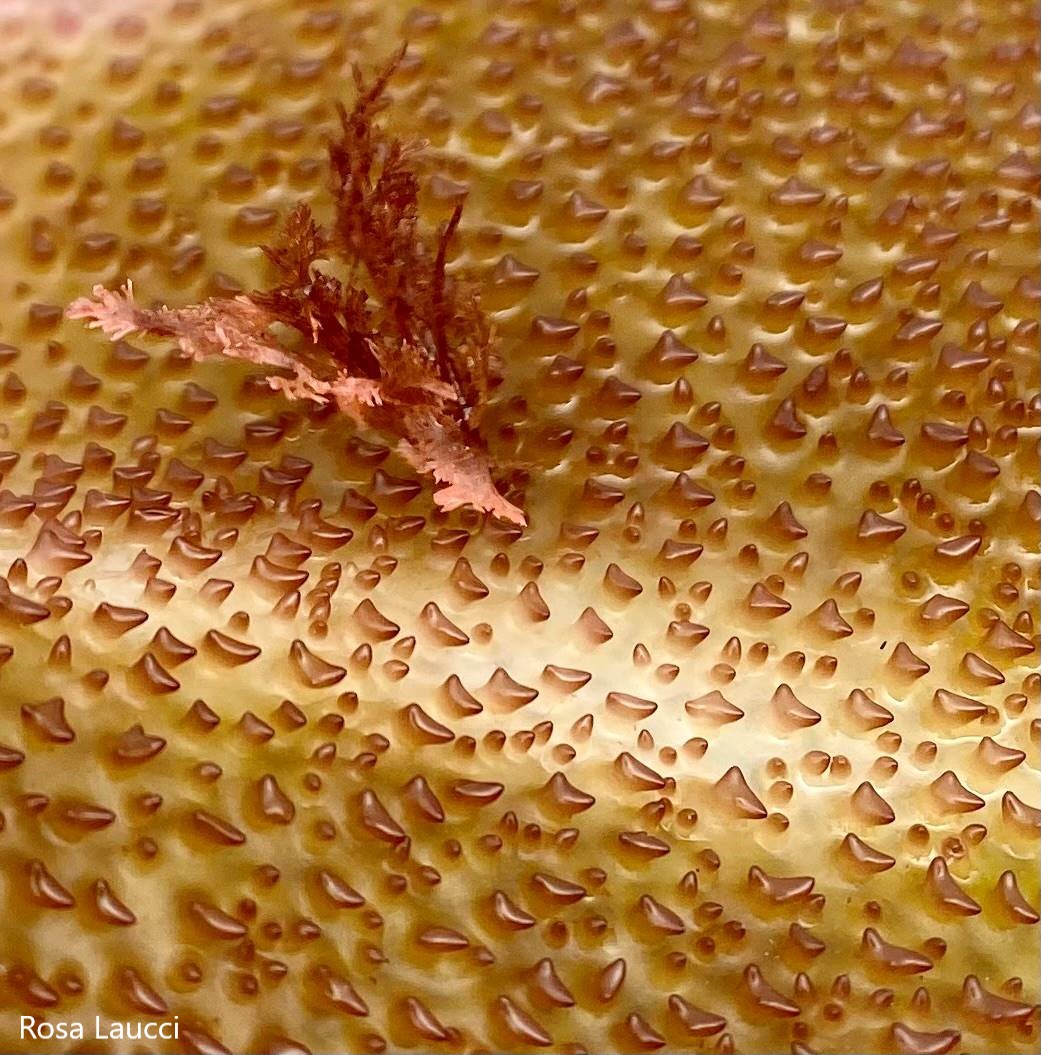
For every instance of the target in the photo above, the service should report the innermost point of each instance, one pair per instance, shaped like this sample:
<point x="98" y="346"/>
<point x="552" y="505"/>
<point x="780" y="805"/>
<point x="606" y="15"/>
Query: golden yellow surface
<point x="735" y="748"/>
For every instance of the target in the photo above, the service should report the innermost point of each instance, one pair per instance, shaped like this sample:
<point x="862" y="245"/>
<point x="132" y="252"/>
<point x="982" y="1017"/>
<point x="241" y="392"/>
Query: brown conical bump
<point x="681" y="447"/>
<point x="828" y="620"/>
<point x="865" y="712"/>
<point x="997" y="757"/>
<point x="229" y="651"/>
<point x="557" y="890"/>
<point x="893" y="958"/>
<point x="140" y="995"/>
<point x="643" y="844"/>
<point x="314" y="671"/>
<point x="786" y="423"/>
<point x="533" y="603"/>
<point x="620" y="584"/>
<point x="1025" y="819"/>
<point x="940" y="611"/>
<point x="636" y="774"/>
<point x="947" y="892"/>
<point x="45" y="890"/>
<point x="904" y="662"/>
<point x="507" y="914"/>
<point x="506" y="693"/>
<point x="595" y="630"/>
<point x="337" y="993"/>
<point x="1001" y="638"/>
<point x="476" y="792"/>
<point x="958" y="708"/>
<point x="442" y="939"/>
<point x="10" y="757"/>
<point x="882" y="432"/>
<point x="1014" y="905"/>
<point x="420" y="798"/>
<point x="916" y="1042"/>
<point x="373" y="623"/>
<point x="790" y="712"/>
<point x="424" y="1021"/>
<point x="713" y="707"/>
<point x="685" y="494"/>
<point x="136" y="746"/>
<point x="273" y="802"/>
<point x="684" y="633"/>
<point x="565" y="679"/>
<point x="763" y="602"/>
<point x="18" y="610"/>
<point x="951" y="795"/>
<point x="377" y="821"/>
<point x="779" y="890"/>
<point x="785" y="525"/>
<point x="519" y="1025"/>
<point x="870" y="807"/>
<point x="116" y="620"/>
<point x="733" y="790"/>
<point x="761" y="366"/>
<point x="981" y="1004"/>
<point x="547" y="986"/>
<point x="109" y="907"/>
<point x="48" y="720"/>
<point x="765" y="998"/>
<point x="216" y="829"/>
<point x="338" y="892"/>
<point x="424" y="728"/>
<point x="669" y="356"/>
<point x="658" y="918"/>
<point x="441" y="628"/>
<point x="692" y="1021"/>
<point x="632" y="708"/>
<point x="977" y="669"/>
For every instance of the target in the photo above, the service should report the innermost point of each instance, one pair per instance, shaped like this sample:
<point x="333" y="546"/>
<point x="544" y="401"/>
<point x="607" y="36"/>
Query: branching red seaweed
<point x="399" y="344"/>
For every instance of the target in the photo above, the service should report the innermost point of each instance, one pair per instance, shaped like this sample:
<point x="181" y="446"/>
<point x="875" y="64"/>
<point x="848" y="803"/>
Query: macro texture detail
<point x="733" y="746"/>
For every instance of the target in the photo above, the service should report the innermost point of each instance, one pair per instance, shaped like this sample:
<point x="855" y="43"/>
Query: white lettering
<point x="30" y="1028"/>
<point x="40" y="1029"/>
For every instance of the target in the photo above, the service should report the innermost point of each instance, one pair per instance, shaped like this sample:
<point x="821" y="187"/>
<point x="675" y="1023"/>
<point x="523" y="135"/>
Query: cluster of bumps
<point x="733" y="746"/>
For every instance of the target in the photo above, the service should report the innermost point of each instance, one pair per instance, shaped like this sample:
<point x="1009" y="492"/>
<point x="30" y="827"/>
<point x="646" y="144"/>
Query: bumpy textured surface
<point x="735" y="748"/>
